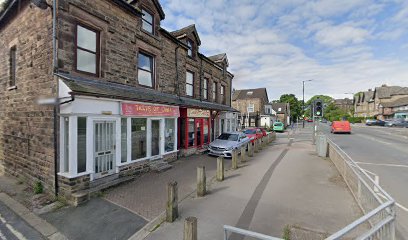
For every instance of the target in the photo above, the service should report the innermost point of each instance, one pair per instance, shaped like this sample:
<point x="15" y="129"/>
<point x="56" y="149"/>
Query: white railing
<point x="379" y="211"/>
<point x="378" y="221"/>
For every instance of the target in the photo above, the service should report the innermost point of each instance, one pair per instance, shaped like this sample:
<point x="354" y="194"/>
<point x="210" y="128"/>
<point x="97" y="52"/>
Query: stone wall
<point x="26" y="129"/>
<point x="242" y="104"/>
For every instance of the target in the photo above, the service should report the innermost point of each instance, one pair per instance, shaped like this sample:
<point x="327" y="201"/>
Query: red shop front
<point x="194" y="128"/>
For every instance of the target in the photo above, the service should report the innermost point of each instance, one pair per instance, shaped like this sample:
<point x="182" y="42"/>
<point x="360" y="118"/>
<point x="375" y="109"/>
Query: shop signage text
<point x="131" y="109"/>
<point x="198" y="113"/>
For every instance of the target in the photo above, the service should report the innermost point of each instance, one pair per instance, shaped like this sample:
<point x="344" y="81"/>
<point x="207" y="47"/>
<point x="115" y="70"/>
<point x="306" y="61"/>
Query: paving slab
<point x="96" y="219"/>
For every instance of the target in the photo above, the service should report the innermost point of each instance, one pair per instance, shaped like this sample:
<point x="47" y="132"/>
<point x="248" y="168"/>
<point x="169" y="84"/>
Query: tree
<point x="295" y="105"/>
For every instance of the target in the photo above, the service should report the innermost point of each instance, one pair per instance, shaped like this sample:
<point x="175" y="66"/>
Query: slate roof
<point x="282" y="106"/>
<point x="345" y="101"/>
<point x="256" y="93"/>
<point x="186" y="30"/>
<point x="102" y="88"/>
<point x="397" y="103"/>
<point x="388" y="91"/>
<point x="218" y="57"/>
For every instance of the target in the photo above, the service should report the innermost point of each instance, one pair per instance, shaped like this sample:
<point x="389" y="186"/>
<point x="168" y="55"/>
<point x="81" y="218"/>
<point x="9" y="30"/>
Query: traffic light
<point x="318" y="108"/>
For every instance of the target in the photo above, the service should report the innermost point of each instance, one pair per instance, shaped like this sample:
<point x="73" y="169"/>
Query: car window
<point x="229" y="137"/>
<point x="250" y="131"/>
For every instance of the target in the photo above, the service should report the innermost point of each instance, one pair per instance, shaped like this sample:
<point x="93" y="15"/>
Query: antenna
<point x="40" y="3"/>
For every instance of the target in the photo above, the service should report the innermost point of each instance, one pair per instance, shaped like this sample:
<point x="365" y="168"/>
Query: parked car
<point x="278" y="127"/>
<point x="253" y="133"/>
<point x="263" y="130"/>
<point x="323" y="120"/>
<point x="375" y="122"/>
<point x="397" y="122"/>
<point x="226" y="142"/>
<point x="341" y="127"/>
<point x="309" y="120"/>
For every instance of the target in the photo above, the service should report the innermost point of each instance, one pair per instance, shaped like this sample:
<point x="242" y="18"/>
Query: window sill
<point x="152" y="35"/>
<point x="12" y="88"/>
<point x="67" y="175"/>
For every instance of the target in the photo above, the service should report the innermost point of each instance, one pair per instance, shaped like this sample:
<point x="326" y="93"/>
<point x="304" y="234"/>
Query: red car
<point x="264" y="133"/>
<point x="253" y="133"/>
<point x="341" y="127"/>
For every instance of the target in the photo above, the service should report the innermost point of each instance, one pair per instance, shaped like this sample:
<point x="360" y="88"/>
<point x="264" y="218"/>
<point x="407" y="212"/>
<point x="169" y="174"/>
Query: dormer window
<point x="190" y="48"/>
<point x="147" y="21"/>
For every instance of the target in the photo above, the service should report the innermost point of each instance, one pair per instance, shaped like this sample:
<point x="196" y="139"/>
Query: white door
<point x="104" y="148"/>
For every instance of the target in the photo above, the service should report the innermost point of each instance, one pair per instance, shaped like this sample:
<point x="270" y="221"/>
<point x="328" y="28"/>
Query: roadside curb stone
<point x="39" y="224"/>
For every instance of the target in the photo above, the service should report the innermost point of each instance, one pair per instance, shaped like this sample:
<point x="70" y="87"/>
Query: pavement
<point x="382" y="151"/>
<point x="286" y="185"/>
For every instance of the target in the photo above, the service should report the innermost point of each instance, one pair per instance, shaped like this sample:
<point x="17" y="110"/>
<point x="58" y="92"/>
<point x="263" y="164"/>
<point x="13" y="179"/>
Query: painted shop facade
<point x="129" y="93"/>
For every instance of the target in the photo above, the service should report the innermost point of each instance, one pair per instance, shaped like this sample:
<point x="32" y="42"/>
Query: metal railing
<point x="378" y="221"/>
<point x="379" y="211"/>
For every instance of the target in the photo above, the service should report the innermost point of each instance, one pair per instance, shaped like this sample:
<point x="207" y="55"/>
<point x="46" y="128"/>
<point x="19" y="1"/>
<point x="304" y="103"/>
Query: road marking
<point x="16" y="233"/>
<point x="2" y="236"/>
<point x="398" y="205"/>
<point x="383" y="164"/>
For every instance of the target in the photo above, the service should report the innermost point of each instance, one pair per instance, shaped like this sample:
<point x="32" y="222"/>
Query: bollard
<point x="220" y="169"/>
<point x="264" y="141"/>
<point x="250" y="149"/>
<point x="172" y="202"/>
<point x="201" y="181"/>
<point x="190" y="228"/>
<point x="243" y="154"/>
<point x="234" y="159"/>
<point x="256" y="149"/>
<point x="260" y="143"/>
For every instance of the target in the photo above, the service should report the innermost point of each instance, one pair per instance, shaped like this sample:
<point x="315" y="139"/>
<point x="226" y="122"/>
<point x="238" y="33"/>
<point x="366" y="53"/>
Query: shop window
<point x="169" y="134"/>
<point x="13" y="64"/>
<point x="145" y="70"/>
<point x="205" y="131"/>
<point x="191" y="132"/>
<point x="81" y="147"/>
<point x="147" y="21"/>
<point x="87" y="50"/>
<point x="65" y="148"/>
<point x="205" y="89"/>
<point x="190" y="84"/>
<point x="228" y="125"/>
<point x="138" y="138"/>
<point x="123" y="129"/>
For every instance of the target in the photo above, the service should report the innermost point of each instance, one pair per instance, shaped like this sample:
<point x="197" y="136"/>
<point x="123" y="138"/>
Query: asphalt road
<point x="384" y="152"/>
<point x="12" y="227"/>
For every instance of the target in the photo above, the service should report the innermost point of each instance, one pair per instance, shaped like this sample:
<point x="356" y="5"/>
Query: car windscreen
<point x="250" y="131"/>
<point x="278" y="124"/>
<point x="229" y="137"/>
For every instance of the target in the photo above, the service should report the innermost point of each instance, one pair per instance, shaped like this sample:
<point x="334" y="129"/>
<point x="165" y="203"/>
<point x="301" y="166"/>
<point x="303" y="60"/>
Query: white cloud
<point x="277" y="44"/>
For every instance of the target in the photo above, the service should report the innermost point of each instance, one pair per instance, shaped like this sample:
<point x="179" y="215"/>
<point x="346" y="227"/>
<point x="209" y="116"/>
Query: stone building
<point x="345" y="104"/>
<point x="129" y="93"/>
<point x="282" y="112"/>
<point x="382" y="103"/>
<point x="251" y="105"/>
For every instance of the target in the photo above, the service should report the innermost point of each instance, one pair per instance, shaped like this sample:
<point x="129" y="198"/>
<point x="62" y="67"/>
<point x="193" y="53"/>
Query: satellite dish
<point x="40" y="3"/>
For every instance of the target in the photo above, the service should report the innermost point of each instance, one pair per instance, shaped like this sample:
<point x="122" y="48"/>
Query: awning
<point x="105" y="89"/>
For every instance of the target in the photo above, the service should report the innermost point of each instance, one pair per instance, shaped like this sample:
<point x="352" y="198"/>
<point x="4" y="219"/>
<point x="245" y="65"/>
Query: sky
<point x="344" y="46"/>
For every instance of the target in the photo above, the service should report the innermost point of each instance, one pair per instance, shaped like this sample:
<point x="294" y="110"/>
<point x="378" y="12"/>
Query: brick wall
<point x="26" y="129"/>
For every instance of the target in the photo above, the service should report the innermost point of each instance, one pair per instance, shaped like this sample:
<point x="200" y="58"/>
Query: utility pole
<point x="303" y="104"/>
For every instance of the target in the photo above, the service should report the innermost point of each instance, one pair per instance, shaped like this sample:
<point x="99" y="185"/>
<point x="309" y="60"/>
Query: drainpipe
<point x="56" y="106"/>
<point x="201" y="79"/>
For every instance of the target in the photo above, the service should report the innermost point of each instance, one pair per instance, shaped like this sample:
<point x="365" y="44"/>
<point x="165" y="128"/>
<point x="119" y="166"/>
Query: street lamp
<point x="303" y="105"/>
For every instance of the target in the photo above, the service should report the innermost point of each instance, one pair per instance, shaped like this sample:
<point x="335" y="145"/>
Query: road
<point x="12" y="227"/>
<point x="384" y="152"/>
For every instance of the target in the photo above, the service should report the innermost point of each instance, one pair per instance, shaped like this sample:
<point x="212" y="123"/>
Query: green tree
<point x="295" y="105"/>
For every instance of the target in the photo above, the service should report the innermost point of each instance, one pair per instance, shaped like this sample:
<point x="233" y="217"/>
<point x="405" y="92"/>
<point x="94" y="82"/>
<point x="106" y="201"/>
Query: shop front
<point x="194" y="130"/>
<point x="102" y="137"/>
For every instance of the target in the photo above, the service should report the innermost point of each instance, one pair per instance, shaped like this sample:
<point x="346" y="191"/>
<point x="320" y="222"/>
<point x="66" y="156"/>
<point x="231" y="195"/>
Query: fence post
<point x="260" y="143"/>
<point x="172" y="202"/>
<point x="256" y="149"/>
<point x="220" y="169"/>
<point x="234" y="159"/>
<point x="201" y="181"/>
<point x="250" y="149"/>
<point x="243" y="154"/>
<point x="190" y="228"/>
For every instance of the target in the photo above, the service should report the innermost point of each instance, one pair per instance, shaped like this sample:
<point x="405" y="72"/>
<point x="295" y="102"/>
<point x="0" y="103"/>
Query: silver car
<point x="226" y="142"/>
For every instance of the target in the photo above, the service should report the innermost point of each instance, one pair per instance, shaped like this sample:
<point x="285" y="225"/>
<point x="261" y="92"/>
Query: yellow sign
<point x="198" y="113"/>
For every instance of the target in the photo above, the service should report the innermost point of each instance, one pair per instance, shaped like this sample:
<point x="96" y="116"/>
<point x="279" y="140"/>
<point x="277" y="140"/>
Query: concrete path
<point x="284" y="185"/>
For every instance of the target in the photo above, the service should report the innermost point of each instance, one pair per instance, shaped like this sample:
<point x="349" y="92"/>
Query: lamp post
<point x="303" y="104"/>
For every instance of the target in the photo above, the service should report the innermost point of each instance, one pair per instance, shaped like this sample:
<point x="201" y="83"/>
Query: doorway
<point x="156" y="138"/>
<point x="104" y="148"/>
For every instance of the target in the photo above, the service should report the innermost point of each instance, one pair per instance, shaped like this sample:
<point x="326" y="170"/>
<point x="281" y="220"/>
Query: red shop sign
<point x="131" y="109"/>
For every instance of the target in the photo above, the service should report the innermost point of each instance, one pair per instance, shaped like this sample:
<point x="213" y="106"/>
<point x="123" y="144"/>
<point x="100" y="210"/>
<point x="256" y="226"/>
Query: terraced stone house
<point x="95" y="91"/>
